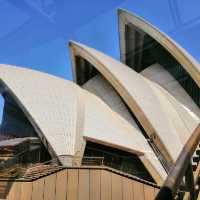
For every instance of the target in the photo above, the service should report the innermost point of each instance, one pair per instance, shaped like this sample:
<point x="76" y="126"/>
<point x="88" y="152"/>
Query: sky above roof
<point x="35" y="33"/>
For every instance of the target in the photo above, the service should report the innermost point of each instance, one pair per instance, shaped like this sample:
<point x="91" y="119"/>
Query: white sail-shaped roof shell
<point x="160" y="75"/>
<point x="164" y="119"/>
<point x="42" y="99"/>
<point x="101" y="88"/>
<point x="181" y="55"/>
<point x="64" y="115"/>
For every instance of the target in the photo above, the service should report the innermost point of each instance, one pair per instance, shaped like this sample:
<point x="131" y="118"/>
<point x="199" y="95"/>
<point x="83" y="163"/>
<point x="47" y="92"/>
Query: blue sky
<point x="35" y="33"/>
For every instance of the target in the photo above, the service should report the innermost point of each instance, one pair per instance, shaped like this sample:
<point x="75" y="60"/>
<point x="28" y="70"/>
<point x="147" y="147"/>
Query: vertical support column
<point x="189" y="179"/>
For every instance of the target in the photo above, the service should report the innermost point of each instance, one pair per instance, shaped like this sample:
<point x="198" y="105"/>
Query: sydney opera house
<point x="122" y="130"/>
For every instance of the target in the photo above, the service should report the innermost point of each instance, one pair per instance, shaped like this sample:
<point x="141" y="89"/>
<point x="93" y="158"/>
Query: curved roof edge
<point x="18" y="91"/>
<point x="29" y="117"/>
<point x="182" y="56"/>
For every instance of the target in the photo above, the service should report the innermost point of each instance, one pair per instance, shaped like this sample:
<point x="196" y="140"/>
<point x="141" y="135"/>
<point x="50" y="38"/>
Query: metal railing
<point x="181" y="182"/>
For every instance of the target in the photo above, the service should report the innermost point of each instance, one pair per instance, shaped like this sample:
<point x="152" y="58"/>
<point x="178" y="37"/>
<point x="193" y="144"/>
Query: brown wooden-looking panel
<point x="106" y="189"/>
<point x="148" y="192"/>
<point x="50" y="187"/>
<point x="72" y="184"/>
<point x="138" y="191"/>
<point x="117" y="188"/>
<point x="38" y="189"/>
<point x="95" y="184"/>
<point x="15" y="191"/>
<point x="82" y="184"/>
<point x="61" y="185"/>
<point x="26" y="190"/>
<point x="127" y="185"/>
